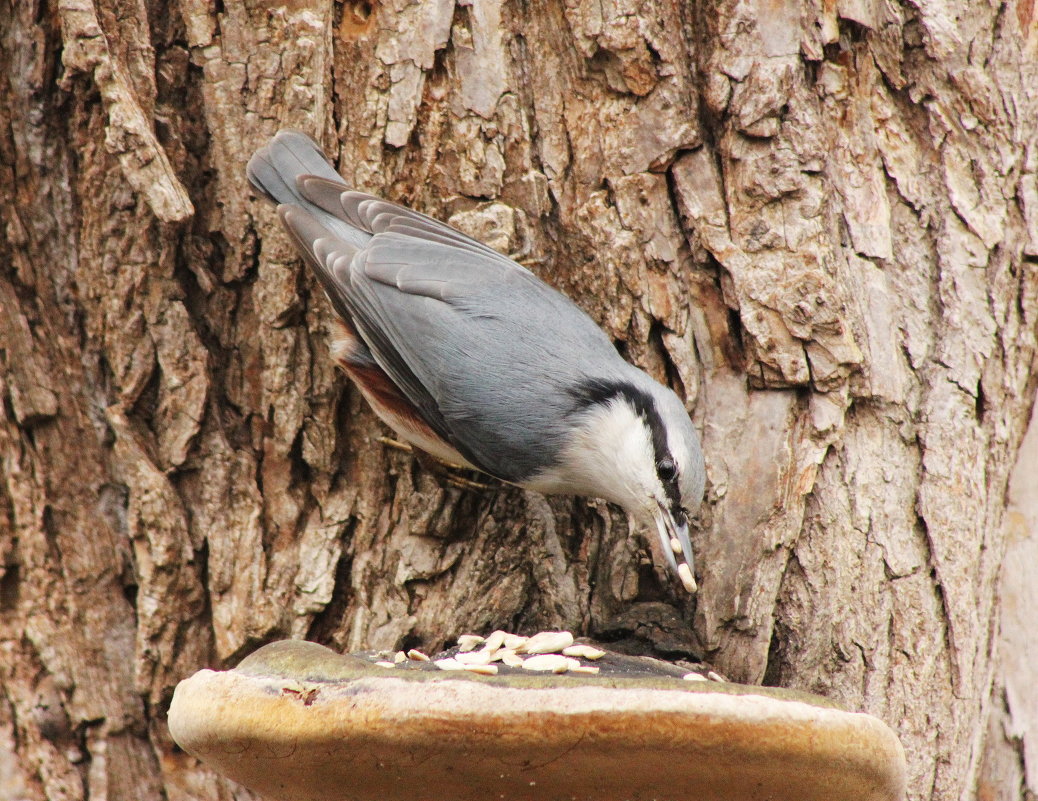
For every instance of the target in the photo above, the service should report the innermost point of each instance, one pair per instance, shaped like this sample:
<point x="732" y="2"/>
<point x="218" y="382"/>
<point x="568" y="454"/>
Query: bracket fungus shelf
<point x="298" y="722"/>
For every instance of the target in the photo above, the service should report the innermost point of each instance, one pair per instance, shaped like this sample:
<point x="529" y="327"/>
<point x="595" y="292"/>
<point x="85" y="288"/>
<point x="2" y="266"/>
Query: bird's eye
<point x="666" y="469"/>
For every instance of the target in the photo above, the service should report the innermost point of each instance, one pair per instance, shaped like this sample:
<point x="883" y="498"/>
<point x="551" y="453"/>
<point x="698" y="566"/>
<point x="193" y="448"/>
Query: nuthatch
<point x="473" y="359"/>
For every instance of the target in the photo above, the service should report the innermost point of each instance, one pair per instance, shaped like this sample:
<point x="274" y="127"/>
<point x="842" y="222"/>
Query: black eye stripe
<point x="666" y="468"/>
<point x="602" y="391"/>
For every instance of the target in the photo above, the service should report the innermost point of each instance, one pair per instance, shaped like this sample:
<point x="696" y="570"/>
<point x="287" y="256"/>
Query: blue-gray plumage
<point x="471" y="357"/>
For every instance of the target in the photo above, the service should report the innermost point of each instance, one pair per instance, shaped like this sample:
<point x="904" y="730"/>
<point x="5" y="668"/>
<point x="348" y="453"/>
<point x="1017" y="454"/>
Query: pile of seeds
<point x="548" y="651"/>
<point x="552" y="651"/>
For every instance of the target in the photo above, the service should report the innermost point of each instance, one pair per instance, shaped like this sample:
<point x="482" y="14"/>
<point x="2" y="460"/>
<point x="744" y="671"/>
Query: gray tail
<point x="275" y="168"/>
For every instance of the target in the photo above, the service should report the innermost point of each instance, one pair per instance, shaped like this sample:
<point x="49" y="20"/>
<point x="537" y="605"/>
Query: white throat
<point x="609" y="456"/>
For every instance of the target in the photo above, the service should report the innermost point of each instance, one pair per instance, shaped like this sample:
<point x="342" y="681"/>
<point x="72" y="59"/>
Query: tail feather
<point x="277" y="169"/>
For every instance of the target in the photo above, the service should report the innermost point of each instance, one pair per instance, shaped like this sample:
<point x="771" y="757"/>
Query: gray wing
<point x="486" y="351"/>
<point x="377" y="216"/>
<point x="499" y="352"/>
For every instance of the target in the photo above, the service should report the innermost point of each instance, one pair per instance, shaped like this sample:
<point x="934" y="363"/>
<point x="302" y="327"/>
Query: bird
<point x="470" y="357"/>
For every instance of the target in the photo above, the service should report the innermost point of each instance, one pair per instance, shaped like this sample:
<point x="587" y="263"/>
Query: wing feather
<point x="305" y="230"/>
<point x="378" y="216"/>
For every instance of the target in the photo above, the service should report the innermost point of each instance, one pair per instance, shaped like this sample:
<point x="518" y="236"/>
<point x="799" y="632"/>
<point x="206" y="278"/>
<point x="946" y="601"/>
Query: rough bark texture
<point x="1009" y="770"/>
<point x="819" y="222"/>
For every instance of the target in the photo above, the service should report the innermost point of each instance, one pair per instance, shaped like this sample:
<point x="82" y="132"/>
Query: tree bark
<point x="818" y="222"/>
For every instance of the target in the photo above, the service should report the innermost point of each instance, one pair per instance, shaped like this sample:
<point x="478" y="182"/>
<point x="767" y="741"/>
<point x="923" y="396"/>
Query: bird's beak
<point x="672" y="530"/>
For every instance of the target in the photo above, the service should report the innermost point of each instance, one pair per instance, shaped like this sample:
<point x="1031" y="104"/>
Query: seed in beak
<point x="685" y="574"/>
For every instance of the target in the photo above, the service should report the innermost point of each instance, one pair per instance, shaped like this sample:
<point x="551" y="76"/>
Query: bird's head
<point x="632" y="443"/>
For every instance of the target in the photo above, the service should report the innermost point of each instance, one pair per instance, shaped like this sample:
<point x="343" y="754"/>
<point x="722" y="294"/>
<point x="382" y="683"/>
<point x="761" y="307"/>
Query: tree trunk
<point x="818" y="222"/>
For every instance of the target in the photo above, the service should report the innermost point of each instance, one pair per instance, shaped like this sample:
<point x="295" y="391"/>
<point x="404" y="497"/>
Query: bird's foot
<point x="397" y="444"/>
<point x="453" y="474"/>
